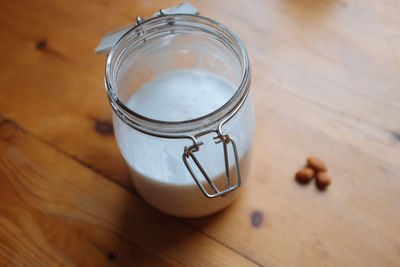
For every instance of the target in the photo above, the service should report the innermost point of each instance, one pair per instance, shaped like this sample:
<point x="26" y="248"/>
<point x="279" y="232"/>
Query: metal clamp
<point x="140" y="20"/>
<point x="189" y="153"/>
<point x="110" y="39"/>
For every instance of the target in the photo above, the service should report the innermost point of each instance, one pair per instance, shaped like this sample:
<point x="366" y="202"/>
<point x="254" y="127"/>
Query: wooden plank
<point x="54" y="211"/>
<point x="321" y="64"/>
<point x="278" y="222"/>
<point x="326" y="78"/>
<point x="348" y="82"/>
<point x="61" y="94"/>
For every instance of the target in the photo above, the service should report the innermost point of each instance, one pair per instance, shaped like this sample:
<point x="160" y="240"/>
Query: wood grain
<point x="55" y="211"/>
<point x="355" y="222"/>
<point x="325" y="80"/>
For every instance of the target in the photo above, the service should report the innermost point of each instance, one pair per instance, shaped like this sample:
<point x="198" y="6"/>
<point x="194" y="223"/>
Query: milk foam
<point x="181" y="95"/>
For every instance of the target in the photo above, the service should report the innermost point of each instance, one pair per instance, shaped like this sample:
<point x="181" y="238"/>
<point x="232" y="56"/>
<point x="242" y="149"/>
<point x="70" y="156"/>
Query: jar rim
<point x="173" y="129"/>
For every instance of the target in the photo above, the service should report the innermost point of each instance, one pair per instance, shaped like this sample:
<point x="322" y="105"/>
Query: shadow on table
<point x="147" y="237"/>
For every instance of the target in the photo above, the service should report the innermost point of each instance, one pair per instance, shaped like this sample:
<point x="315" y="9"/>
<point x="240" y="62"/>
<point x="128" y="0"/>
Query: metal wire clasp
<point x="189" y="153"/>
<point x="110" y="39"/>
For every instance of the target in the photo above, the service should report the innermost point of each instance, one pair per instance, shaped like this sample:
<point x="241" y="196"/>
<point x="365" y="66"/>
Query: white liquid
<point x="156" y="164"/>
<point x="181" y="95"/>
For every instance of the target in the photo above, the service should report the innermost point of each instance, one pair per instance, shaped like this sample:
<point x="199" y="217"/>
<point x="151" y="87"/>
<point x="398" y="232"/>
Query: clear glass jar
<point x="159" y="153"/>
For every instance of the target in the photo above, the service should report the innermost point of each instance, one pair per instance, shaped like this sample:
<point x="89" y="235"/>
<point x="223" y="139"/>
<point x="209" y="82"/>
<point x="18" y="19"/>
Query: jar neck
<point x="156" y="28"/>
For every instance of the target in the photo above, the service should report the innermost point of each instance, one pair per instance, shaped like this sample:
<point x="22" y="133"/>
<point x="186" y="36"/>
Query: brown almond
<point x="316" y="164"/>
<point x="305" y="175"/>
<point x="323" y="180"/>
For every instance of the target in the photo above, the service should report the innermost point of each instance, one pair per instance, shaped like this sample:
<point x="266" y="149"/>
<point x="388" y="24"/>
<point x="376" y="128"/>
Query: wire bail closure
<point x="111" y="38"/>
<point x="225" y="139"/>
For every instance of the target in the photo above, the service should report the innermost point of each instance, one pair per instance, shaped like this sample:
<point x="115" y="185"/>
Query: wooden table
<point x="326" y="81"/>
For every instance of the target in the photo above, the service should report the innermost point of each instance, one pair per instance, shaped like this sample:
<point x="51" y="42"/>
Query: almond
<point x="316" y="164"/>
<point x="305" y="175"/>
<point x="323" y="180"/>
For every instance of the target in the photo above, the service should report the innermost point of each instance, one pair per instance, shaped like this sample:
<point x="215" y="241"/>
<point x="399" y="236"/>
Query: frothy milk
<point x="181" y="95"/>
<point x="158" y="171"/>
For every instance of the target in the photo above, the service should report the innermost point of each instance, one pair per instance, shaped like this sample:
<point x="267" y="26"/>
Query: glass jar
<point x="195" y="166"/>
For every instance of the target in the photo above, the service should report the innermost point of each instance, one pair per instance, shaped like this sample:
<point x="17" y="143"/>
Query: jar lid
<point x="111" y="38"/>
